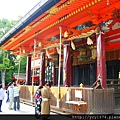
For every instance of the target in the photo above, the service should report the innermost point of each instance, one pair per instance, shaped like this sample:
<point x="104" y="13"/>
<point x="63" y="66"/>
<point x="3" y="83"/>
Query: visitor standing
<point x="45" y="106"/>
<point x="7" y="92"/>
<point x="38" y="100"/>
<point x="16" y="97"/>
<point x="11" y="95"/>
<point x="1" y="96"/>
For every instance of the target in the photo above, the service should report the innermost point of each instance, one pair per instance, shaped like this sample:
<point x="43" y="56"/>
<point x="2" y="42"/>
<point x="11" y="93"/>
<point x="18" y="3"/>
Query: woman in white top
<point x="1" y="96"/>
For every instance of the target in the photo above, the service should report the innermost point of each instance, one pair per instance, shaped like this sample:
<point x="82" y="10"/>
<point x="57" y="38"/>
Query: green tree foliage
<point x="9" y="72"/>
<point x="22" y="61"/>
<point x="11" y="64"/>
<point x="23" y="64"/>
<point x="6" y="25"/>
<point x="7" y="60"/>
<point x="4" y="66"/>
<point x="1" y="56"/>
<point x="8" y="76"/>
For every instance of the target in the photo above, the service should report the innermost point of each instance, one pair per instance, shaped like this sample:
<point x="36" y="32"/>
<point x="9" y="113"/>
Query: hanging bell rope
<point x="59" y="76"/>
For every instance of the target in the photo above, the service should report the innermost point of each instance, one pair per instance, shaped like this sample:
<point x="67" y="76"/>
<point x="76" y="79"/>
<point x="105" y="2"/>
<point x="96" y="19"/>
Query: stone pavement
<point x="27" y="112"/>
<point x="24" y="109"/>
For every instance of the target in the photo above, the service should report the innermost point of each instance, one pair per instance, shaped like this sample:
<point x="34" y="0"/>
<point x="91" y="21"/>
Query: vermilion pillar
<point x="28" y="71"/>
<point x="67" y="67"/>
<point x="42" y="69"/>
<point x="101" y="60"/>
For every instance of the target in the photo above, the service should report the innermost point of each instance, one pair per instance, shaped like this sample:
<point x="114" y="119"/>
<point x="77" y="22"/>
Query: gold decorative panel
<point x="63" y="91"/>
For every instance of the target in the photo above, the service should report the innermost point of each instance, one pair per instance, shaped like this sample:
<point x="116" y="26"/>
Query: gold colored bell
<point x="66" y="34"/>
<point x="81" y="85"/>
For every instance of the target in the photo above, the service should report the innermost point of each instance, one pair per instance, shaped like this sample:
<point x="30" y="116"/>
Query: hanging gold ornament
<point x="66" y="34"/>
<point x="72" y="45"/>
<point x="89" y="41"/>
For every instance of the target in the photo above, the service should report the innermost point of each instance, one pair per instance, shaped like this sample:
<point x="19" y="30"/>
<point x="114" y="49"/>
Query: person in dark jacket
<point x="38" y="100"/>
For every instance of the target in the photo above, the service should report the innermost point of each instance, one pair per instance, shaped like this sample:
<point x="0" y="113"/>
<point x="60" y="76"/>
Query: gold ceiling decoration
<point x="83" y="35"/>
<point x="53" y="11"/>
<point x="12" y="39"/>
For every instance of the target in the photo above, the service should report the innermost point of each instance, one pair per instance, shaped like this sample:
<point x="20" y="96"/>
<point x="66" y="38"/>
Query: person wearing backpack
<point x="38" y="100"/>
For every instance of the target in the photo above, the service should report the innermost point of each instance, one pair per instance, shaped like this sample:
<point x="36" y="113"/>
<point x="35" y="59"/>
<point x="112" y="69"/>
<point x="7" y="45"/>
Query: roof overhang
<point x="42" y="23"/>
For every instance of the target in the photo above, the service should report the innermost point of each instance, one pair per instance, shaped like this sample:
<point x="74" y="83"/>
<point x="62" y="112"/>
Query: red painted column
<point x="101" y="59"/>
<point x="28" y="71"/>
<point x="67" y="66"/>
<point x="42" y="69"/>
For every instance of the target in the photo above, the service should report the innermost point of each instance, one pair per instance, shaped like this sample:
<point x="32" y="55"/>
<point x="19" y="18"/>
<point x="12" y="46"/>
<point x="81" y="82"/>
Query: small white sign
<point x="78" y="93"/>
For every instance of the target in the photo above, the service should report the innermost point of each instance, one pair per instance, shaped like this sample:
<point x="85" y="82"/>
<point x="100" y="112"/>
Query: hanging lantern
<point x="66" y="34"/>
<point x="23" y="50"/>
<point x="39" y="44"/>
<point x="94" y="52"/>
